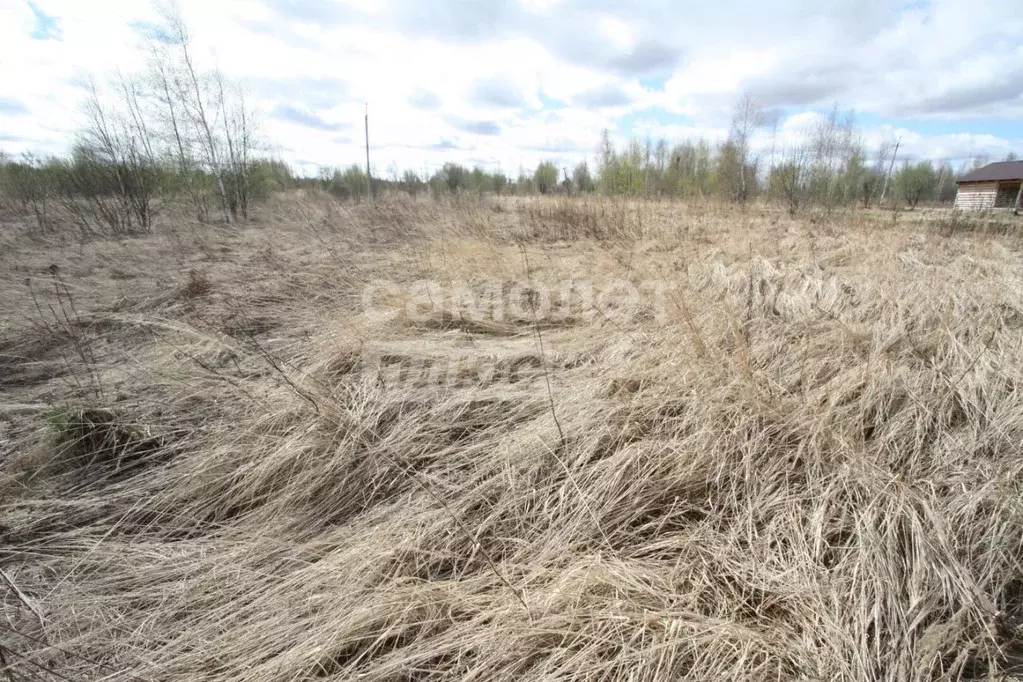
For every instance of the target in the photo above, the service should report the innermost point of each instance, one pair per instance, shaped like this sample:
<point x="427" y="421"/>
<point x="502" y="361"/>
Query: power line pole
<point x="369" y="178"/>
<point x="890" y="167"/>
<point x="941" y="183"/>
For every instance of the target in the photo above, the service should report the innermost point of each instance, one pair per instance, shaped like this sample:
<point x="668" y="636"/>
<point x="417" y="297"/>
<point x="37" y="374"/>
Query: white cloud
<point x="443" y="76"/>
<point x="618" y="31"/>
<point x="539" y="6"/>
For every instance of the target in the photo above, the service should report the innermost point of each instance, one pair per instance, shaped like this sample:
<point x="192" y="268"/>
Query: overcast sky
<point x="509" y="82"/>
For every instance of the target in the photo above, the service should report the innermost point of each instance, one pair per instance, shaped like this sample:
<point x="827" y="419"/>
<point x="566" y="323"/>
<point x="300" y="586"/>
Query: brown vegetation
<point x="801" y="463"/>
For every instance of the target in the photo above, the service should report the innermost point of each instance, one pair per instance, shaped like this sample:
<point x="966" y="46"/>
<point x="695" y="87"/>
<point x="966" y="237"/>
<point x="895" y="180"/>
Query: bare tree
<point x="835" y="152"/>
<point x="112" y="177"/>
<point x="239" y="139"/>
<point x="788" y="179"/>
<point x="168" y="116"/>
<point x="201" y="110"/>
<point x="872" y="184"/>
<point x="204" y="119"/>
<point x="748" y="116"/>
<point x="245" y="148"/>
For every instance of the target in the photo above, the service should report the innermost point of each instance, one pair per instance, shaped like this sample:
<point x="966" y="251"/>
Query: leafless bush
<point x="571" y="219"/>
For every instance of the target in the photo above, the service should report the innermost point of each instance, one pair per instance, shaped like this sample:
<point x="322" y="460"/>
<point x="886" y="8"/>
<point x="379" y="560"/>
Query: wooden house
<point x="996" y="185"/>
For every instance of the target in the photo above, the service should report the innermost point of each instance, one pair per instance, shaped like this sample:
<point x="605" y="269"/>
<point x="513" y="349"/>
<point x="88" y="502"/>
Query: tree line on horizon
<point x="179" y="133"/>
<point x="830" y="168"/>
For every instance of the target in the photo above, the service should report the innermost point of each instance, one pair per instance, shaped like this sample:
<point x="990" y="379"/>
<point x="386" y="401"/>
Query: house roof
<point x="1003" y="170"/>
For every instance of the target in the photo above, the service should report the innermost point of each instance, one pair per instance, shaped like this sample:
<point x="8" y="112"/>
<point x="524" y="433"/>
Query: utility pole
<point x="369" y="178"/>
<point x="890" y="167"/>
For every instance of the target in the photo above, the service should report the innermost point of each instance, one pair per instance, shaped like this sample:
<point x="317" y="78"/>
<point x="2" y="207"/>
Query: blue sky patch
<point x="152" y="31"/>
<point x="631" y="122"/>
<point x="548" y="103"/>
<point x="290" y="114"/>
<point x="47" y="26"/>
<point x="12" y="107"/>
<point x="999" y="127"/>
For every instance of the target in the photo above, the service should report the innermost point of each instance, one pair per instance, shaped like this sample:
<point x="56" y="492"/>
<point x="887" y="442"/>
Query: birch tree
<point x="200" y="109"/>
<point x="238" y="136"/>
<point x="205" y="119"/>
<point x="169" y="119"/>
<point x="747" y="118"/>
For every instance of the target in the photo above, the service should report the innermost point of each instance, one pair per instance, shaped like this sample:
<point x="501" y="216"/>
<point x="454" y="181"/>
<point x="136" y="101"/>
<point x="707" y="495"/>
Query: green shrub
<point x="545" y="178"/>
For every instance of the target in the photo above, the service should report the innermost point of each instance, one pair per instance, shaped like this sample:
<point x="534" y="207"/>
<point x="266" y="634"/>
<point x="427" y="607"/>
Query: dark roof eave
<point x="987" y="182"/>
<point x="1001" y="171"/>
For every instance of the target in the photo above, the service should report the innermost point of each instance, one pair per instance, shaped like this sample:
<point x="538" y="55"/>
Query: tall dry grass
<point x="805" y="465"/>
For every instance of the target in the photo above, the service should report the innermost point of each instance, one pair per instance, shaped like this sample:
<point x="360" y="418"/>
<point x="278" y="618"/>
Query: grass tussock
<point x="197" y="285"/>
<point x="801" y="462"/>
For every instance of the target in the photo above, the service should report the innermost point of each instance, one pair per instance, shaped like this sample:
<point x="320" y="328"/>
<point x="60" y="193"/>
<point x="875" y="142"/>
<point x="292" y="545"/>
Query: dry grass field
<point x="765" y="448"/>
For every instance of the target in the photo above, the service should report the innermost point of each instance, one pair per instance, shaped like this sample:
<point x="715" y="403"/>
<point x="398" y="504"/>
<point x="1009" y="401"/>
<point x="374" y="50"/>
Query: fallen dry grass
<point x="803" y="462"/>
